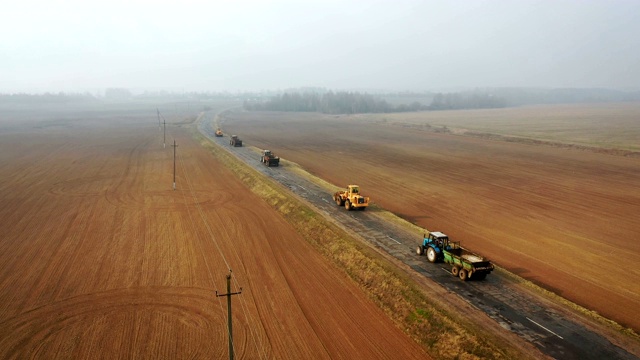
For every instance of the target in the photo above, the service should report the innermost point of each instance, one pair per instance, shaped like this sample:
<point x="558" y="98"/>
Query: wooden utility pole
<point x="164" y="141"/>
<point x="228" y="295"/>
<point x="174" y="163"/>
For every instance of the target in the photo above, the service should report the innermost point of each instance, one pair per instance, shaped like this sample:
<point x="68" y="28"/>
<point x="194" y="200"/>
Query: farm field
<point x="564" y="218"/>
<point x="100" y="258"/>
<point x="604" y="125"/>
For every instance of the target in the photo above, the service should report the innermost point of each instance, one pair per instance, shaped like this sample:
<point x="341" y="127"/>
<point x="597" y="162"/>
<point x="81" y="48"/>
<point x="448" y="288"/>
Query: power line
<point x="243" y="301"/>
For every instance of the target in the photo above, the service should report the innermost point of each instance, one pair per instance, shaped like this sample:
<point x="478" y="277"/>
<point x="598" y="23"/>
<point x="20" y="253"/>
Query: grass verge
<point x="444" y="334"/>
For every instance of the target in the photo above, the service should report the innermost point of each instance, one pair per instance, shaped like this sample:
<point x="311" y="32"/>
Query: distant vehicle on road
<point x="235" y="141"/>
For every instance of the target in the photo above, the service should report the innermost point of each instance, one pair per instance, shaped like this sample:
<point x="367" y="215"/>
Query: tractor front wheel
<point x="431" y="255"/>
<point x="419" y="250"/>
<point x="347" y="205"/>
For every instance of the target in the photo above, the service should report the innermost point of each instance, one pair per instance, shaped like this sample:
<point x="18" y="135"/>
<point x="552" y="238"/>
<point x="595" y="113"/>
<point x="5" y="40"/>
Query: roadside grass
<point x="444" y="334"/>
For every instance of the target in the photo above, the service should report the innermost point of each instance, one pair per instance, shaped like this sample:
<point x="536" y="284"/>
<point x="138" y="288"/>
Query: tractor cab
<point x="433" y="244"/>
<point x="437" y="238"/>
<point x="354" y="189"/>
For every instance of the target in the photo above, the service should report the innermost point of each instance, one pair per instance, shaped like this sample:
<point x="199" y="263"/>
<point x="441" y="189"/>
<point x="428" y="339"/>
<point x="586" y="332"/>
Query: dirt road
<point x="102" y="259"/>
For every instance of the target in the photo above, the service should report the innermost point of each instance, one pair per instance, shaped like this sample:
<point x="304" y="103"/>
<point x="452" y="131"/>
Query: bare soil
<point x="100" y="258"/>
<point x="564" y="218"/>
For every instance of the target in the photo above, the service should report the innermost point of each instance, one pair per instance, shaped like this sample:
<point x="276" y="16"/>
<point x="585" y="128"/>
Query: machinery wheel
<point x="431" y="254"/>
<point x="347" y="205"/>
<point x="454" y="270"/>
<point x="419" y="250"/>
<point x="462" y="274"/>
<point x="338" y="202"/>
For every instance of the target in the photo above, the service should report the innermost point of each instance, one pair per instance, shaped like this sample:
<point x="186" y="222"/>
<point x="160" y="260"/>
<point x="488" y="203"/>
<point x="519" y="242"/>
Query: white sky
<point x="251" y="45"/>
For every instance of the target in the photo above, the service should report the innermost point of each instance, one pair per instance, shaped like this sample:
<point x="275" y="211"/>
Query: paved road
<point x="514" y="310"/>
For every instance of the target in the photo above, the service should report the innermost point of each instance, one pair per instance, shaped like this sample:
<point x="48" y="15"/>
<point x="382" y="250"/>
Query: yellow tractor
<point x="351" y="198"/>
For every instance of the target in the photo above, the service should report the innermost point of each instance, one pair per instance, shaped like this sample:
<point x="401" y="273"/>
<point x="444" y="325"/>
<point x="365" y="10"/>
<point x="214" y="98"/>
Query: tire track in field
<point x="128" y="182"/>
<point x="162" y="200"/>
<point x="33" y="330"/>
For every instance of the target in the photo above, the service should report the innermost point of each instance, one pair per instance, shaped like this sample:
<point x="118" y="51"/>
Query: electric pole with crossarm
<point x="174" y="163"/>
<point x="228" y="295"/>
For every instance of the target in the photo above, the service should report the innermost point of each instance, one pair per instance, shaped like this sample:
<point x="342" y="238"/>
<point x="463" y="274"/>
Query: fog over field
<point x="355" y="45"/>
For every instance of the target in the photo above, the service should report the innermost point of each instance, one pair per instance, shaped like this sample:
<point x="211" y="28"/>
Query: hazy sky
<point x="251" y="45"/>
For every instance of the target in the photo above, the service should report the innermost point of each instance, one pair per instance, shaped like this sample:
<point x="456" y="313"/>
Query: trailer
<point x="465" y="264"/>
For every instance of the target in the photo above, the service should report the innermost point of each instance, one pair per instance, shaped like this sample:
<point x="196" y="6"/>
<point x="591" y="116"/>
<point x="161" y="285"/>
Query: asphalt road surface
<point x="516" y="311"/>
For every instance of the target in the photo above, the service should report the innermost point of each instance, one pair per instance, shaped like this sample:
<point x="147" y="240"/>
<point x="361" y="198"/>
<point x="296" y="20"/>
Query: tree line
<point x="455" y="101"/>
<point x="330" y="103"/>
<point x="46" y="98"/>
<point x="357" y="103"/>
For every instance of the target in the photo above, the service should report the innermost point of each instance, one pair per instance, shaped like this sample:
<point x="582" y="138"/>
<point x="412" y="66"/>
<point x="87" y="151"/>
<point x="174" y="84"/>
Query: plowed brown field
<point x="100" y="258"/>
<point x="567" y="219"/>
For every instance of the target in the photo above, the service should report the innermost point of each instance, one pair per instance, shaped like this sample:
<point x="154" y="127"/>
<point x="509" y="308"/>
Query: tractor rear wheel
<point x="462" y="274"/>
<point x="454" y="270"/>
<point x="431" y="254"/>
<point x="347" y="205"/>
<point x="419" y="250"/>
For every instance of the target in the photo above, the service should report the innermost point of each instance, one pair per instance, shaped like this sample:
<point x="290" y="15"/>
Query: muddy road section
<point x="553" y="330"/>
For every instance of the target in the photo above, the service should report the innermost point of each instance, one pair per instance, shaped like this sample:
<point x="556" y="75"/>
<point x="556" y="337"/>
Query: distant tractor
<point x="433" y="245"/>
<point x="218" y="133"/>
<point x="268" y="158"/>
<point x="351" y="198"/>
<point x="235" y="141"/>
